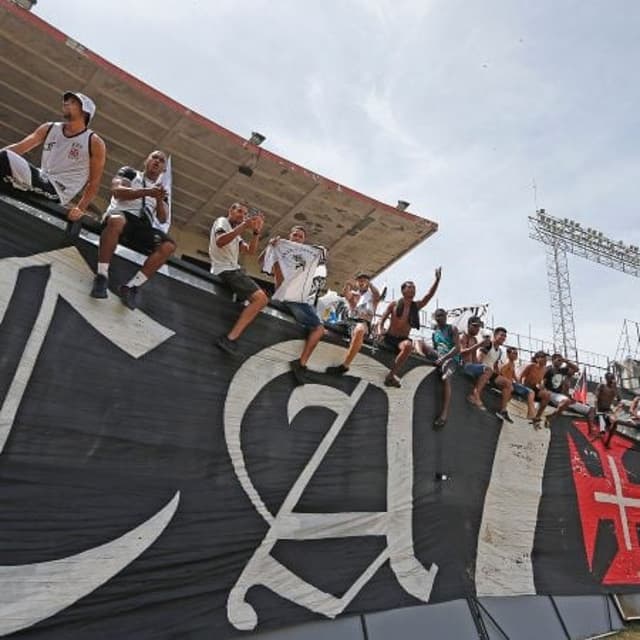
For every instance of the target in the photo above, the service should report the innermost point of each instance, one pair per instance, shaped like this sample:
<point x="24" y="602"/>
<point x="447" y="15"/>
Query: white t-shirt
<point x="363" y="309"/>
<point x="298" y="263"/>
<point x="223" y="258"/>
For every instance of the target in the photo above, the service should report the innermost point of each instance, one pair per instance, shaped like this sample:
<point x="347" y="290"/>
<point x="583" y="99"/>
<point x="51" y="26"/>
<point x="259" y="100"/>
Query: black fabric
<point x="102" y="440"/>
<point x="414" y="315"/>
<point x="127" y="172"/>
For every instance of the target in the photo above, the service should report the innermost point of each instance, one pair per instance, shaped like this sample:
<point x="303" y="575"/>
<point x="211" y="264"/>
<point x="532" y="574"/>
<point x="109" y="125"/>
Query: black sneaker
<point x="339" y="370"/>
<point x="504" y="415"/>
<point x="299" y="371"/>
<point x="392" y="381"/>
<point x="99" y="289"/>
<point x="230" y="346"/>
<point x="129" y="296"/>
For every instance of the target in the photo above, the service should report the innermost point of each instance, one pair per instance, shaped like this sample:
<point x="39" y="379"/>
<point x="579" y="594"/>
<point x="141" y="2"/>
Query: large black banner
<point x="152" y="487"/>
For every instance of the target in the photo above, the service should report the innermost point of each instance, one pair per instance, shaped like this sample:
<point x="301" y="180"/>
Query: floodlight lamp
<point x="402" y="205"/>
<point x="256" y="138"/>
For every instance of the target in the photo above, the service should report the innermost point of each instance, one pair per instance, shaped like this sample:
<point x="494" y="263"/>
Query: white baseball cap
<point x="88" y="105"/>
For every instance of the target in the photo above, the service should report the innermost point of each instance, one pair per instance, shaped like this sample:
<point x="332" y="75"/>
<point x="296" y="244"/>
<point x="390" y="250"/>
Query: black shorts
<point x="138" y="234"/>
<point x="393" y="342"/>
<point x="239" y="282"/>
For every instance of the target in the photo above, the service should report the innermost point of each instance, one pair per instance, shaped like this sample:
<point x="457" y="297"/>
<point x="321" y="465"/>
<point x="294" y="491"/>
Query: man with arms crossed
<point x="73" y="157"/>
<point x="225" y="245"/>
<point x="404" y="315"/>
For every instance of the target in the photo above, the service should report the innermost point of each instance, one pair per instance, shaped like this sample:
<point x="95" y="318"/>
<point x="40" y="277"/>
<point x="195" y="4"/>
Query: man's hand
<point x="75" y="213"/>
<point x="156" y="191"/>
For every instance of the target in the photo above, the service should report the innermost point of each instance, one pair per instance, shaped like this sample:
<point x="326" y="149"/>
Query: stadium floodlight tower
<point x="562" y="236"/>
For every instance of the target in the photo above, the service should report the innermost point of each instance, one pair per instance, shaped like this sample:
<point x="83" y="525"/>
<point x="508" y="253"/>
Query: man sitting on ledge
<point x="137" y="200"/>
<point x="362" y="299"/>
<point x="556" y="380"/>
<point x="404" y="316"/>
<point x="293" y="265"/>
<point x="225" y="245"/>
<point x="72" y="157"/>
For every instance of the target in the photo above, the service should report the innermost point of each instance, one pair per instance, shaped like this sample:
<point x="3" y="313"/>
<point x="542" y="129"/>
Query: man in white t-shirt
<point x="225" y="246"/>
<point x="491" y="358"/>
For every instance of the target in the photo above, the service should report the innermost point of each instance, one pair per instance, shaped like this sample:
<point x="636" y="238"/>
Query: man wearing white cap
<point x="72" y="157"/>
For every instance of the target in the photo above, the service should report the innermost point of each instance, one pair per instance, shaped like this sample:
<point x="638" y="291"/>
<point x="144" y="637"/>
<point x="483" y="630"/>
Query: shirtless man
<point x="531" y="376"/>
<point x="404" y="316"/>
<point x="508" y="371"/>
<point x="607" y="395"/>
<point x="470" y="342"/>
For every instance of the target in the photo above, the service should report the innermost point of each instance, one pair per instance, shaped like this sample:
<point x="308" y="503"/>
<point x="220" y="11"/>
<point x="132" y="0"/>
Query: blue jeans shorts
<point x="304" y="313"/>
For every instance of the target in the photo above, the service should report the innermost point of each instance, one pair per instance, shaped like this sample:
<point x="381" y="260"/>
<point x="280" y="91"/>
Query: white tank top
<point x="65" y="161"/>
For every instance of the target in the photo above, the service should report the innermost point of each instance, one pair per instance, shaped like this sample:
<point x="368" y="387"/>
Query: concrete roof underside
<point x="39" y="63"/>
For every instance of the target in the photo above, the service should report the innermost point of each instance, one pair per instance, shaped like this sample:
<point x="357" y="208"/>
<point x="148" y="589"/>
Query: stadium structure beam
<point x="562" y="236"/>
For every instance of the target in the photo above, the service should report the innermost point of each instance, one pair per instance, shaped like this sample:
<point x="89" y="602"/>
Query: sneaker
<point x="504" y="415"/>
<point x="299" y="371"/>
<point x="392" y="381"/>
<point x="340" y="370"/>
<point x="448" y="370"/>
<point x="99" y="289"/>
<point x="129" y="296"/>
<point x="229" y="346"/>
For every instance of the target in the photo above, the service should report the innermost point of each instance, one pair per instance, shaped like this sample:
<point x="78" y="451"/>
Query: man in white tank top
<point x="73" y="157"/>
<point x="362" y="299"/>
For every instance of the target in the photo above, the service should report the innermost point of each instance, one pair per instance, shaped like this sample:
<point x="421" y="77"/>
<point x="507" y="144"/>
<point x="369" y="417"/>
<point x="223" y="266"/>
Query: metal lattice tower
<point x="562" y="236"/>
<point x="564" y="329"/>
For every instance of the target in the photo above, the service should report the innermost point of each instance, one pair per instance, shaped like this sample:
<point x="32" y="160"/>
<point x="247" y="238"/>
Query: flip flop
<point x="477" y="405"/>
<point x="438" y="423"/>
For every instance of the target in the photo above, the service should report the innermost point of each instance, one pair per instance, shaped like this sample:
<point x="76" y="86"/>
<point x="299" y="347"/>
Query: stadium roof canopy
<point x="39" y="63"/>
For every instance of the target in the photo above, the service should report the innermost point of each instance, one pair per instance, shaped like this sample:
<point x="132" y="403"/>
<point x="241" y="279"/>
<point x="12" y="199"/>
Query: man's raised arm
<point x="432" y="291"/>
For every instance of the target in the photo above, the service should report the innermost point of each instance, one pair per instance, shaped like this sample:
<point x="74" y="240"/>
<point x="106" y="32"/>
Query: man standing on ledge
<point x="404" y="316"/>
<point x="225" y="245"/>
<point x="73" y="157"/>
<point x="137" y="201"/>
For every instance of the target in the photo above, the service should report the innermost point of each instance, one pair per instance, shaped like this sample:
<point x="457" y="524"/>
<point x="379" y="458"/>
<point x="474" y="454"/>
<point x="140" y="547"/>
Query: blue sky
<point x="454" y="106"/>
